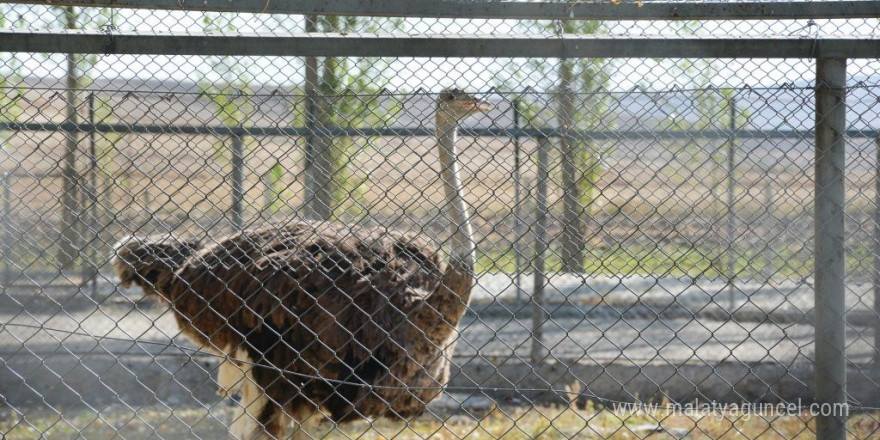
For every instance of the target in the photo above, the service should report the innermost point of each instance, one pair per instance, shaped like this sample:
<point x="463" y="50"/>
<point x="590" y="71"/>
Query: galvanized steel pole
<point x="92" y="229"/>
<point x="539" y="315"/>
<point x="830" y="310"/>
<point x="877" y="254"/>
<point x="6" y="225"/>
<point x="237" y="182"/>
<point x="731" y="206"/>
<point x="517" y="205"/>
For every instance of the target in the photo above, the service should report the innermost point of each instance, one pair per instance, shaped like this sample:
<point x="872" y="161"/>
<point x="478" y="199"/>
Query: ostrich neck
<point x="461" y="241"/>
<point x="444" y="307"/>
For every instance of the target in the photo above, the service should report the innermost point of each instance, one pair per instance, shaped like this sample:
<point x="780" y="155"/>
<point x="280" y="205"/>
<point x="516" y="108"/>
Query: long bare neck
<point x="445" y="306"/>
<point x="462" y="246"/>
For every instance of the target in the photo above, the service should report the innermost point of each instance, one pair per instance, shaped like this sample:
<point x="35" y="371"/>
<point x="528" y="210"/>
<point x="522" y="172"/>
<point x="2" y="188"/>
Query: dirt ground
<point x="69" y="350"/>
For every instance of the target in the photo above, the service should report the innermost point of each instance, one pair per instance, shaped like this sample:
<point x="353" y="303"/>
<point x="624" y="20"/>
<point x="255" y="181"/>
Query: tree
<point x="76" y="78"/>
<point x="10" y="112"/>
<point x="318" y="155"/>
<point x="227" y="85"/>
<point x="581" y="160"/>
<point x="579" y="103"/>
<point x="10" y="83"/>
<point x="338" y="92"/>
<point x="77" y="67"/>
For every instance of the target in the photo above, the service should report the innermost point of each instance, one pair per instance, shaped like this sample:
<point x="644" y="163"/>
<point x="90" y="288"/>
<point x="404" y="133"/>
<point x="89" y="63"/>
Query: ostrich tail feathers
<point x="142" y="261"/>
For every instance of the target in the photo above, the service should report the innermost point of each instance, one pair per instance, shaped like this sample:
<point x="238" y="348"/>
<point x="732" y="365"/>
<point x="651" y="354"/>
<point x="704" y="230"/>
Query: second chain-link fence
<point x="641" y="237"/>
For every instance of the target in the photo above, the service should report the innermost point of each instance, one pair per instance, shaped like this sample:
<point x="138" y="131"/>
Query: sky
<point x="405" y="74"/>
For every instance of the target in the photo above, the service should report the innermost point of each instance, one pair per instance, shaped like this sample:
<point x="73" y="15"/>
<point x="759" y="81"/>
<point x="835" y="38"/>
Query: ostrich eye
<point x="457" y="93"/>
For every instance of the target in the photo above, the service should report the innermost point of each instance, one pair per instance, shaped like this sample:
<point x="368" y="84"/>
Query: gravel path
<point x="600" y="321"/>
<point x="126" y="345"/>
<point x="694" y="294"/>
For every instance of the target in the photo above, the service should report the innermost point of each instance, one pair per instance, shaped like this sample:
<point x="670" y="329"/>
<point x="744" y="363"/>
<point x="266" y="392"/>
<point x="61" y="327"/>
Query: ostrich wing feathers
<point x="322" y="310"/>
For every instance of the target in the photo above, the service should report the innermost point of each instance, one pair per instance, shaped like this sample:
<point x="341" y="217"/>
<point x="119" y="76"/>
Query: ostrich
<point x="315" y="318"/>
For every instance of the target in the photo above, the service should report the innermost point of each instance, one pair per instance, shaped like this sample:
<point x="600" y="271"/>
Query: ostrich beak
<point x="482" y="105"/>
<point x="464" y="104"/>
<point x="475" y="105"/>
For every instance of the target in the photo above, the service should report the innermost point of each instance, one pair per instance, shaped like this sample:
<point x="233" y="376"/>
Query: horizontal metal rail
<point x="632" y="135"/>
<point x="329" y="44"/>
<point x="507" y="10"/>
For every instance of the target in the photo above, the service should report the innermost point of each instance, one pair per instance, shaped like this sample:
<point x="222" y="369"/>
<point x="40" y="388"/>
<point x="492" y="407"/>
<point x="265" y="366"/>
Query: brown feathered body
<point x="357" y="322"/>
<point x="353" y="322"/>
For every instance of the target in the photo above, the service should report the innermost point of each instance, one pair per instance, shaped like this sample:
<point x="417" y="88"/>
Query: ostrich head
<point x="454" y="105"/>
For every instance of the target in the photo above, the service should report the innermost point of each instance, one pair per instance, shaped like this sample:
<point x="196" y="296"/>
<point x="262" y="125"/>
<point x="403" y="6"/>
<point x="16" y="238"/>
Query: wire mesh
<point x="643" y="234"/>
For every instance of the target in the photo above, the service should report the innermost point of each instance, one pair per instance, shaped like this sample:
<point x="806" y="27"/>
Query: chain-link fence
<point x="439" y="220"/>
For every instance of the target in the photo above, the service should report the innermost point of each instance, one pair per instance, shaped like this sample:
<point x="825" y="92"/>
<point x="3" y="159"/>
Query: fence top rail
<point x="423" y="46"/>
<point x="508" y="10"/>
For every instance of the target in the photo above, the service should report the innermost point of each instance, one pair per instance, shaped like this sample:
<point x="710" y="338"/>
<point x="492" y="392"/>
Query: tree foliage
<point x="578" y="102"/>
<point x="348" y="93"/>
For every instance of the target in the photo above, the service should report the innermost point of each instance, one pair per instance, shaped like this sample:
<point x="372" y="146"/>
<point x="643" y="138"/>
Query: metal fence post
<point x="769" y="217"/>
<point x="7" y="231"/>
<point x="5" y="220"/>
<point x="237" y="181"/>
<point x="90" y="227"/>
<point x="517" y="202"/>
<point x="268" y="195"/>
<point x="830" y="328"/>
<point x="877" y="254"/>
<point x="310" y="191"/>
<point x="539" y="315"/>
<point x="731" y="205"/>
